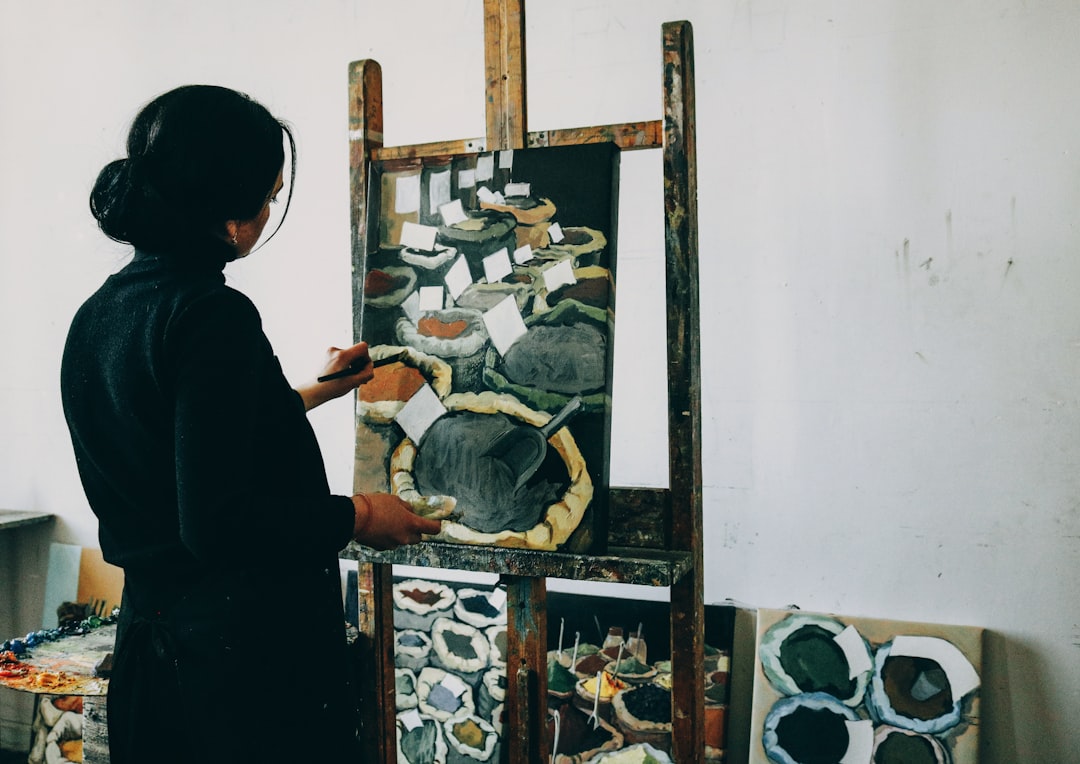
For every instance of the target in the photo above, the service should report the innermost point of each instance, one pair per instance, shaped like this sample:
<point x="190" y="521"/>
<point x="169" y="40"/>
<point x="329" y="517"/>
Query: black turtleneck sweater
<point x="194" y="452"/>
<point x="210" y="491"/>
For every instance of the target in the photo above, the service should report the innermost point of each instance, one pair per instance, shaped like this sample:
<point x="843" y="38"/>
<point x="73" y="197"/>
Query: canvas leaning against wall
<point x="864" y="691"/>
<point x="488" y="304"/>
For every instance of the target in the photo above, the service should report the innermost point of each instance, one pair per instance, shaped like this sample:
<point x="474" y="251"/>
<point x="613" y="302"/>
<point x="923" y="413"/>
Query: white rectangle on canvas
<point x="458" y="278"/>
<point x="410" y="306"/>
<point x="506" y="159"/>
<point x="485" y="167"/>
<point x="466" y="178"/>
<point x="517" y="189"/>
<point x="497" y="266"/>
<point x="560" y="274"/>
<point x="523" y="254"/>
<point x="860" y="748"/>
<point x="455" y="684"/>
<point x="418" y="236"/>
<point x="407" y="194"/>
<point x="421" y="411"/>
<point x="854" y="649"/>
<point x="452" y="212"/>
<point x="438" y="189"/>
<point x="430" y="298"/>
<point x="504" y="324"/>
<point x="410" y="719"/>
<point x="555" y="232"/>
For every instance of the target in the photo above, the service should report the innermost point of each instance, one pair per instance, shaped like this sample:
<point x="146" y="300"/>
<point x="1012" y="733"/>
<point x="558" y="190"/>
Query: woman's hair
<point x="198" y="156"/>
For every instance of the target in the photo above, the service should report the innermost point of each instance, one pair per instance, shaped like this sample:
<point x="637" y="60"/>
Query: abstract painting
<point x="488" y="305"/>
<point x="831" y="689"/>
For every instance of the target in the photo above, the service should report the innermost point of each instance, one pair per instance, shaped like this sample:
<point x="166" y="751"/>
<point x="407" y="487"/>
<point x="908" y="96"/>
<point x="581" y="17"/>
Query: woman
<point x="199" y="462"/>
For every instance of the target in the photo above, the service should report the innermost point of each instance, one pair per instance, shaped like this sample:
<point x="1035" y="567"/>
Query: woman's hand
<point x="383" y="521"/>
<point x="338" y="360"/>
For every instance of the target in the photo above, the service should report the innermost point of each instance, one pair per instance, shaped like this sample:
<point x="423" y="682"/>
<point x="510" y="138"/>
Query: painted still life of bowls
<point x="453" y="459"/>
<point x="563" y="355"/>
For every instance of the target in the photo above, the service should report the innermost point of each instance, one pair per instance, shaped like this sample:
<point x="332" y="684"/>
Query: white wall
<point x="889" y="262"/>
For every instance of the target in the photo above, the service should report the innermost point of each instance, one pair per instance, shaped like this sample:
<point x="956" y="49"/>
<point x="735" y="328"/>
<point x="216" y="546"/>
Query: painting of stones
<point x="608" y="678"/>
<point x="840" y="689"/>
<point x="488" y="305"/>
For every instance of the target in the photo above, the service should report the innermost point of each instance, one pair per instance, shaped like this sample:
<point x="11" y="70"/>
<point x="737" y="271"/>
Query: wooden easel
<point x="655" y="533"/>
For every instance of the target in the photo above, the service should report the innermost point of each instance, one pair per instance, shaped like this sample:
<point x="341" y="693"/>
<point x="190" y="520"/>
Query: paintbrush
<point x="348" y="371"/>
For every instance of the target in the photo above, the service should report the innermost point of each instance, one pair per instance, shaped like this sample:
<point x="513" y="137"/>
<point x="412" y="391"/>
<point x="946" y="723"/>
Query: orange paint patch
<point x="433" y="327"/>
<point x="393" y="382"/>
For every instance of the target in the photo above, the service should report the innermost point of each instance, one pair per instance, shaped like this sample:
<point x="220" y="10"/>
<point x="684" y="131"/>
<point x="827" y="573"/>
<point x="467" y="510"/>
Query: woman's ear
<point x="232" y="227"/>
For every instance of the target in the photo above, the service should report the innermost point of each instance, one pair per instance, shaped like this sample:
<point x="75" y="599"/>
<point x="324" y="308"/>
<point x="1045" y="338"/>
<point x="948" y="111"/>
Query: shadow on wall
<point x="1003" y="694"/>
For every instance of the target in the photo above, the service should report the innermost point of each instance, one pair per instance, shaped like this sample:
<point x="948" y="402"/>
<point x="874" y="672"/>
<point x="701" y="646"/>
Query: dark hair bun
<point x="198" y="156"/>
<point x="120" y="203"/>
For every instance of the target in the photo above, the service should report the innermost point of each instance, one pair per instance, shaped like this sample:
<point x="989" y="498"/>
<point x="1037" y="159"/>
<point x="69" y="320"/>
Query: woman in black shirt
<point x="200" y="464"/>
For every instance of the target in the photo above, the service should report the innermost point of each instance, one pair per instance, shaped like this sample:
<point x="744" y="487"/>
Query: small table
<point x="67" y="667"/>
<point x="13" y="518"/>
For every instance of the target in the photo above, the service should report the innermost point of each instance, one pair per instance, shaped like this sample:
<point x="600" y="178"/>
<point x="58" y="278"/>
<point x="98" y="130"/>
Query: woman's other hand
<point x="383" y="521"/>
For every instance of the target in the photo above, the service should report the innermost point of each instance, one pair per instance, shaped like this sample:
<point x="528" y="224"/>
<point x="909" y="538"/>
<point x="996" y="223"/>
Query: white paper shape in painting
<point x="517" y="189"/>
<point x="431" y="298"/>
<point x="560" y="274"/>
<point x="497" y="266"/>
<point x="420" y="412"/>
<point x="485" y="167"/>
<point x="523" y="254"/>
<point x="407" y="194"/>
<point x="458" y="278"/>
<point x="416" y="236"/>
<point x="452" y="212"/>
<point x="438" y="189"/>
<point x="504" y="324"/>
<point x="410" y="306"/>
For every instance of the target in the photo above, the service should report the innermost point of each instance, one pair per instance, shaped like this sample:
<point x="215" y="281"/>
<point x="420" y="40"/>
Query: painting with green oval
<point x="831" y="688"/>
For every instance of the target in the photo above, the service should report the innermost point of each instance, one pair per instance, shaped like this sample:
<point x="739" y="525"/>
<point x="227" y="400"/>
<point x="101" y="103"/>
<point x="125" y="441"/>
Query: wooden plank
<point x="384" y="715"/>
<point x="684" y="388"/>
<point x="365" y="135"/>
<point x="526" y="670"/>
<point x="95" y="730"/>
<point x="622" y="565"/>
<point x="504" y="67"/>
<point x="375" y="648"/>
<point x="628" y="136"/>
<point x="526" y="628"/>
<point x="436" y="149"/>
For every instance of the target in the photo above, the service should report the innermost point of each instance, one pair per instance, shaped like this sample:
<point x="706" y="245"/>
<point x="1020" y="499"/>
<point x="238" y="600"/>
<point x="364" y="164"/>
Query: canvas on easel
<point x="488" y="307"/>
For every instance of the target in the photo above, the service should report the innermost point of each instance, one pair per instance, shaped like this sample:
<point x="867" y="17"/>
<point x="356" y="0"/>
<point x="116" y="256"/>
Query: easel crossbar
<point x="628" y="136"/>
